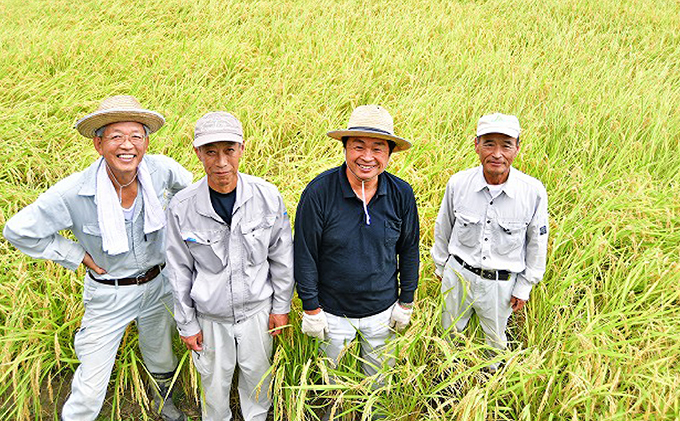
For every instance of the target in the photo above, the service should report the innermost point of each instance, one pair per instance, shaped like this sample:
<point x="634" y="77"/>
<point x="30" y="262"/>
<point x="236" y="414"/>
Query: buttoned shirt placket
<point x="135" y="230"/>
<point x="490" y="216"/>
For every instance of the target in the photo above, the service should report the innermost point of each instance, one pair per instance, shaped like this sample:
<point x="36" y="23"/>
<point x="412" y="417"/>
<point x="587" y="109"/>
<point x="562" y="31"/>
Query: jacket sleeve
<point x="281" y="260"/>
<point x="536" y="248"/>
<point x="180" y="179"/>
<point x="408" y="250"/>
<point x="308" y="229"/>
<point x="443" y="227"/>
<point x="35" y="231"/>
<point x="180" y="273"/>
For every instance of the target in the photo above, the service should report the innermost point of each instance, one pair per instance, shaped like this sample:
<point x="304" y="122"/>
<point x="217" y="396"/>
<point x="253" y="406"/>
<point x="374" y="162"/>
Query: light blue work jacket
<point x="70" y="205"/>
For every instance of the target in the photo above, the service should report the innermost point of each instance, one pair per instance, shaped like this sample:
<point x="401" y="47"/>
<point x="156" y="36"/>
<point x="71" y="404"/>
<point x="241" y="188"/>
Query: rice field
<point x="595" y="84"/>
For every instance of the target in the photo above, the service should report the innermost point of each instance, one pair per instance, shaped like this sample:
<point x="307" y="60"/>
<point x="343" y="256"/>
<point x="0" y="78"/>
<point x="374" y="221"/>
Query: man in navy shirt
<point x="356" y="243"/>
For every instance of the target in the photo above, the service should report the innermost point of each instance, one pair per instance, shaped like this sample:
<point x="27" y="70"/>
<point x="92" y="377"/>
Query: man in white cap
<point x="115" y="210"/>
<point x="230" y="261"/>
<point x="491" y="234"/>
<point x="356" y="243"/>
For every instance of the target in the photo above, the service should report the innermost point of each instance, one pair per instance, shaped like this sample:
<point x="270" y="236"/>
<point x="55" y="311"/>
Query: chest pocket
<point x="467" y="229"/>
<point x="256" y="235"/>
<point x="92" y="229"/>
<point x="206" y="247"/>
<point x="392" y="232"/>
<point x="510" y="236"/>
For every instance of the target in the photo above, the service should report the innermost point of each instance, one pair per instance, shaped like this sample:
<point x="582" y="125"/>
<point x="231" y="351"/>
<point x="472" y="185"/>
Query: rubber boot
<point x="162" y="398"/>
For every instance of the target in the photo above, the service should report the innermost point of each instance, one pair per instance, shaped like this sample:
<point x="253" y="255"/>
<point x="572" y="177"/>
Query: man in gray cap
<point x="356" y="244"/>
<point x="491" y="234"/>
<point x="115" y="210"/>
<point x="230" y="261"/>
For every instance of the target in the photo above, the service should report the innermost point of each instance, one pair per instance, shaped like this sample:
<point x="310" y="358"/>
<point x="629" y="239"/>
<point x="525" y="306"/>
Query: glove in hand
<point x="315" y="325"/>
<point x="400" y="317"/>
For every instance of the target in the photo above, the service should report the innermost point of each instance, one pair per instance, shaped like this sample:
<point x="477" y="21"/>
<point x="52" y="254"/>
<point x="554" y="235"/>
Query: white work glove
<point x="315" y="325"/>
<point x="400" y="317"/>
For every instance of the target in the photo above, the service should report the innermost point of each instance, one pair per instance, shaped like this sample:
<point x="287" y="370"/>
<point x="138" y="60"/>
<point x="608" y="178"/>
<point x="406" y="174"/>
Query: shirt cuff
<point x="189" y="329"/>
<point x="406" y="296"/>
<point x="74" y="257"/>
<point x="310" y="304"/>
<point x="280" y="307"/>
<point x="522" y="288"/>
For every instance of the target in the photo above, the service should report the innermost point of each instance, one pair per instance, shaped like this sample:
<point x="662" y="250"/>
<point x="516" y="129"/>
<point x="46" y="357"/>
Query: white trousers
<point x="373" y="332"/>
<point x="465" y="293"/>
<point x="108" y="312"/>
<point x="247" y="345"/>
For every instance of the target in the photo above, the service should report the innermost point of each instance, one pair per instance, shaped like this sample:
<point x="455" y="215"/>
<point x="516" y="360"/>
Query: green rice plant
<point x="596" y="89"/>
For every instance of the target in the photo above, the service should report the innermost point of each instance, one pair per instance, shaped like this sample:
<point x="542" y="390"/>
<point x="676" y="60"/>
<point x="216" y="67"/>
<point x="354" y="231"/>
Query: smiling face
<point x="123" y="146"/>
<point x="220" y="161"/>
<point x="366" y="157"/>
<point x="496" y="152"/>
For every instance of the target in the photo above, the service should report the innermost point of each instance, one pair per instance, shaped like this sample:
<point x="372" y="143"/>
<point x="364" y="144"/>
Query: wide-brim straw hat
<point x="117" y="109"/>
<point x="371" y="121"/>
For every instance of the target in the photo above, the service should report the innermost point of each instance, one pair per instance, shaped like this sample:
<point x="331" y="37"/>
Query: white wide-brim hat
<point x="371" y="121"/>
<point x="117" y="109"/>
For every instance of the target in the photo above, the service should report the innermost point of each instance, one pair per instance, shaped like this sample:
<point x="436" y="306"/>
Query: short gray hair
<point x="100" y="131"/>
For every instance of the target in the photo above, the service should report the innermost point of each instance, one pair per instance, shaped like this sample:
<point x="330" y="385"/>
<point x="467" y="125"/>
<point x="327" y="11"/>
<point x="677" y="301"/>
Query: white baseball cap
<point x="498" y="123"/>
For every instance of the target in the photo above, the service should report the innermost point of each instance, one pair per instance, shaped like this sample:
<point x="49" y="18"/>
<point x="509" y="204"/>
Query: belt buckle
<point x="489" y="274"/>
<point x="140" y="277"/>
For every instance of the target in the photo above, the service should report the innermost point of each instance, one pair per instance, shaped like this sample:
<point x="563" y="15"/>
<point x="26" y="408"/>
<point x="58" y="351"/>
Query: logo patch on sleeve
<point x="543" y="230"/>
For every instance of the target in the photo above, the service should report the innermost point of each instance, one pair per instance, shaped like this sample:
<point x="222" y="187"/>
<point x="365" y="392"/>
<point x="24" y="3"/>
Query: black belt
<point x="145" y="277"/>
<point x="501" y="275"/>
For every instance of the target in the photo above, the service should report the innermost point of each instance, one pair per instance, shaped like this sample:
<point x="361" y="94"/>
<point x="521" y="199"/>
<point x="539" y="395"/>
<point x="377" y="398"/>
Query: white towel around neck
<point x="110" y="212"/>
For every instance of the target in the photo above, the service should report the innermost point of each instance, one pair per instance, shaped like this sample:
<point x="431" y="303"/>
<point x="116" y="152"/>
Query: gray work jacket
<point x="70" y="205"/>
<point x="508" y="233"/>
<point x="228" y="273"/>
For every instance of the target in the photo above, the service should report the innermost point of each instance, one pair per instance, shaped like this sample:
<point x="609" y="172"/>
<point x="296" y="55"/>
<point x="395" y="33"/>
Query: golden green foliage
<point x="596" y="87"/>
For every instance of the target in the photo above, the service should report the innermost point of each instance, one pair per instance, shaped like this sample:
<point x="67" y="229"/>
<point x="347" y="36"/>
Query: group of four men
<point x="232" y="264"/>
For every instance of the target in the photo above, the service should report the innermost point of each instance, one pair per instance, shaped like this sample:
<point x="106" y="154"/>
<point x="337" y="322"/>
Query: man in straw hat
<point x="230" y="261"/>
<point x="356" y="243"/>
<point x="114" y="208"/>
<point x="491" y="234"/>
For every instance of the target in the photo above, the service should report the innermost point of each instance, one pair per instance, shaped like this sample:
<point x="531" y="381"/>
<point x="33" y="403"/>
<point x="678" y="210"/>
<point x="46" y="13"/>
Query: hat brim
<point x="402" y="144"/>
<point x="87" y="125"/>
<point x="499" y="129"/>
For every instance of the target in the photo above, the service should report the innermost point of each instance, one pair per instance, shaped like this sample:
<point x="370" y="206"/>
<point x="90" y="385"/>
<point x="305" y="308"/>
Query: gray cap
<point x="217" y="126"/>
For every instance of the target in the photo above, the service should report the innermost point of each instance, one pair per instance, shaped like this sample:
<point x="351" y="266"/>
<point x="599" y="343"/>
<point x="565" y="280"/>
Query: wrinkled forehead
<point x="124" y="127"/>
<point x="496" y="138"/>
<point x="366" y="141"/>
<point x="223" y="144"/>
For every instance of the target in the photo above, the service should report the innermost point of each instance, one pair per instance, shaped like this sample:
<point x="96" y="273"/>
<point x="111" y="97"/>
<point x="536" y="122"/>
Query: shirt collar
<point x="89" y="178"/>
<point x="479" y="182"/>
<point x="510" y="187"/>
<point x="346" y="188"/>
<point x="244" y="191"/>
<point x="203" y="205"/>
<point x="89" y="185"/>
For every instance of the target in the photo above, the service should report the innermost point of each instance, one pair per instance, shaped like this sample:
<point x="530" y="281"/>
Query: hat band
<point x="370" y="129"/>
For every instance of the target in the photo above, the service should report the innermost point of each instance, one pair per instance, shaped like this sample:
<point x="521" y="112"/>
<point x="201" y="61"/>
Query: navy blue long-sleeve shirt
<point x="345" y="266"/>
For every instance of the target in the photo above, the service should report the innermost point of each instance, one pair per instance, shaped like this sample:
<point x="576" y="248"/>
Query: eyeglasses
<point x="119" y="139"/>
<point x="376" y="149"/>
